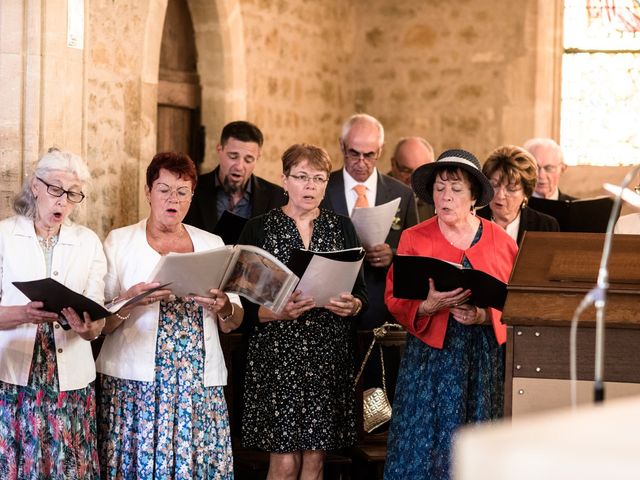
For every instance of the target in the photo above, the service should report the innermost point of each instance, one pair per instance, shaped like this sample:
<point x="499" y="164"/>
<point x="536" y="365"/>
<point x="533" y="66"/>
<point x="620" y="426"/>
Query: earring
<point x="473" y="209"/>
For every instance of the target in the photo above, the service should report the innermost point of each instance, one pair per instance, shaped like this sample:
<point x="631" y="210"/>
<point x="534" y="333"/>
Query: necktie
<point x="361" y="201"/>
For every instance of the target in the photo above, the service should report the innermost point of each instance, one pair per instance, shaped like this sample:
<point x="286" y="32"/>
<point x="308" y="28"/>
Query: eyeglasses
<point x="56" y="191"/>
<point x="317" y="179"/>
<point x="509" y="190"/>
<point x="366" y="156"/>
<point x="549" y="168"/>
<point x="183" y="194"/>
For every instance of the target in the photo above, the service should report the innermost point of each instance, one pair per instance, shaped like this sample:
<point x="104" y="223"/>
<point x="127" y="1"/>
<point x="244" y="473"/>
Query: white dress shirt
<point x="79" y="263"/>
<point x="350" y="194"/>
<point x="130" y="351"/>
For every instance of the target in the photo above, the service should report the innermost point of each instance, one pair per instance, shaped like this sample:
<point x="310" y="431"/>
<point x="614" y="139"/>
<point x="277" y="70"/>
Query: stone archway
<point x="219" y="36"/>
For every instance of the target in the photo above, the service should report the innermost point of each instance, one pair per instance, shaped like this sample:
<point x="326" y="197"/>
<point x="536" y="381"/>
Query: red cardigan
<point x="494" y="254"/>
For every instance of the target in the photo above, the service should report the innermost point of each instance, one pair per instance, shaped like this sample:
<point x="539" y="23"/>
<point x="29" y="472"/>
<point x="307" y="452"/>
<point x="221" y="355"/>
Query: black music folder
<point x="56" y="296"/>
<point x="411" y="280"/>
<point x="229" y="227"/>
<point x="582" y="215"/>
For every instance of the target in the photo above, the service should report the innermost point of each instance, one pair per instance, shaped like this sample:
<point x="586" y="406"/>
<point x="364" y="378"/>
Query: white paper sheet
<point x="373" y="223"/>
<point x="325" y="278"/>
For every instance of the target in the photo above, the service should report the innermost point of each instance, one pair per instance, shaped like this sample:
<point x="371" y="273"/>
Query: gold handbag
<point x="376" y="409"/>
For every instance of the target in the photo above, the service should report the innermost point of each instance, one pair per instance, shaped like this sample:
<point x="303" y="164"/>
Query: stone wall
<point x="462" y="74"/>
<point x="298" y="58"/>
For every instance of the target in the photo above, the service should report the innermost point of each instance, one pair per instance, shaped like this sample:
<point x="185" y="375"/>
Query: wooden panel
<point x="573" y="266"/>
<point x="533" y="395"/>
<point x="539" y="250"/>
<point x="556" y="308"/>
<point x="174" y="129"/>
<point x="185" y="95"/>
<point x="543" y="352"/>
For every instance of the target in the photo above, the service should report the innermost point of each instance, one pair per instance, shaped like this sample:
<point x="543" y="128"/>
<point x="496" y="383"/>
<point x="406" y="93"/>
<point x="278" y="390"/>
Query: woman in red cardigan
<point x="452" y="371"/>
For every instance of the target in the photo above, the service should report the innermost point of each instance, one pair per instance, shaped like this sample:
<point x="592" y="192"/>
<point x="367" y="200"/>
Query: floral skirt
<point x="173" y="427"/>
<point x="45" y="433"/>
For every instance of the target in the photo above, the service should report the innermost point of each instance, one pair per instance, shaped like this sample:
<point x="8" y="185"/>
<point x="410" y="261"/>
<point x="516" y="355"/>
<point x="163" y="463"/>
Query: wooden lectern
<point x="552" y="274"/>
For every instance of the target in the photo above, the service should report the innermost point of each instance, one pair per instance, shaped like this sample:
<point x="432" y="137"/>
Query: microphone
<point x="598" y="295"/>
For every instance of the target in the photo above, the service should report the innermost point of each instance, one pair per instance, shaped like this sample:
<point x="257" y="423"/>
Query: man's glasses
<point x="549" y="168"/>
<point x="317" y="179"/>
<point x="355" y="155"/>
<point x="183" y="194"/>
<point x="56" y="191"/>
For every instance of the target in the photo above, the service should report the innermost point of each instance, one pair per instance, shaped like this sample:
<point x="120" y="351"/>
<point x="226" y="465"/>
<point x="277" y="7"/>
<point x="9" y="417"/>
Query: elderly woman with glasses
<point x="161" y="408"/>
<point x="299" y="394"/>
<point x="513" y="173"/>
<point x="47" y="400"/>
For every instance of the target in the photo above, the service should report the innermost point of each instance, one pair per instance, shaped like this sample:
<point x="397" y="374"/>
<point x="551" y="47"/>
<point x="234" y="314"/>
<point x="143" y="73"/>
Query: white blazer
<point x="79" y="263"/>
<point x="130" y="351"/>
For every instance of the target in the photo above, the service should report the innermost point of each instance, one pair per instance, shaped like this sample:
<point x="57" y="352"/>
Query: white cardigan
<point x="79" y="263"/>
<point x="130" y="351"/>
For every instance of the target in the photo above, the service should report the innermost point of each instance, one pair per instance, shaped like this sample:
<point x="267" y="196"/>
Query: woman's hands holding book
<point x="229" y="317"/>
<point x="436" y="300"/>
<point x="295" y="307"/>
<point x="469" y="314"/>
<point x="115" y="320"/>
<point x="344" y="306"/>
<point x="85" y="327"/>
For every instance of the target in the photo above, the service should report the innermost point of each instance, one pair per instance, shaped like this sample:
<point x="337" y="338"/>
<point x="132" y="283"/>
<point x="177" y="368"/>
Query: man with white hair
<point x="358" y="184"/>
<point x="550" y="160"/>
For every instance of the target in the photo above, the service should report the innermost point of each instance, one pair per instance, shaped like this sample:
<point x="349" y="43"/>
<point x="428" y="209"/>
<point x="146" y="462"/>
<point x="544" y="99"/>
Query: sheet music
<point x="325" y="278"/>
<point x="373" y="223"/>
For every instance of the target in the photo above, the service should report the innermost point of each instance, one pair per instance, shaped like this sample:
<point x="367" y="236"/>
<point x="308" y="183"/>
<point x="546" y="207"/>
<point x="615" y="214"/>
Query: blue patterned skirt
<point x="438" y="391"/>
<point x="174" y="427"/>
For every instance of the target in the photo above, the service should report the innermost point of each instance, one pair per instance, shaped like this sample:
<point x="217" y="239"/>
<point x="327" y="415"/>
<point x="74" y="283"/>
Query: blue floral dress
<point x="45" y="433"/>
<point x="437" y="391"/>
<point x="174" y="427"/>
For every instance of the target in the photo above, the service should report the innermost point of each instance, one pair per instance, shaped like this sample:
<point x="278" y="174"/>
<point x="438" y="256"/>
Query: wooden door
<point x="178" y="122"/>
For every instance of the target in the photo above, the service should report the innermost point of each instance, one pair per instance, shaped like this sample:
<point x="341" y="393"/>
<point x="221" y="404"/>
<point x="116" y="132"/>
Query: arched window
<point x="600" y="99"/>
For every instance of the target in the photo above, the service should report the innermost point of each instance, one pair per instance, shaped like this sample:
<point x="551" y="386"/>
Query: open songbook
<point x="324" y="275"/>
<point x="259" y="276"/>
<point x="411" y="280"/>
<point x="243" y="269"/>
<point x="56" y="296"/>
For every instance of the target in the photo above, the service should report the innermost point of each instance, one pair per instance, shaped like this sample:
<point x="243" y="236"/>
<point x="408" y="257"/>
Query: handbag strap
<point x="384" y="377"/>
<point x="379" y="332"/>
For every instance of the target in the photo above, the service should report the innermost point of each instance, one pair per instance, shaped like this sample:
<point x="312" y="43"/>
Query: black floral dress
<point x="299" y="391"/>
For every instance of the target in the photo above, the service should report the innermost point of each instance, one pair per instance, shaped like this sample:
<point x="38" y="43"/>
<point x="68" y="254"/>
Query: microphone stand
<point x="598" y="295"/>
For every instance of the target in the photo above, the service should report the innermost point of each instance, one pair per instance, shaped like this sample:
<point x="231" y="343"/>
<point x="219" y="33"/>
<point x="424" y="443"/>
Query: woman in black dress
<point x="299" y="398"/>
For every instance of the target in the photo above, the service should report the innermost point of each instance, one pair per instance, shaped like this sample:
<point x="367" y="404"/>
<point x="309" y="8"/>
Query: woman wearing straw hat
<point x="452" y="371"/>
